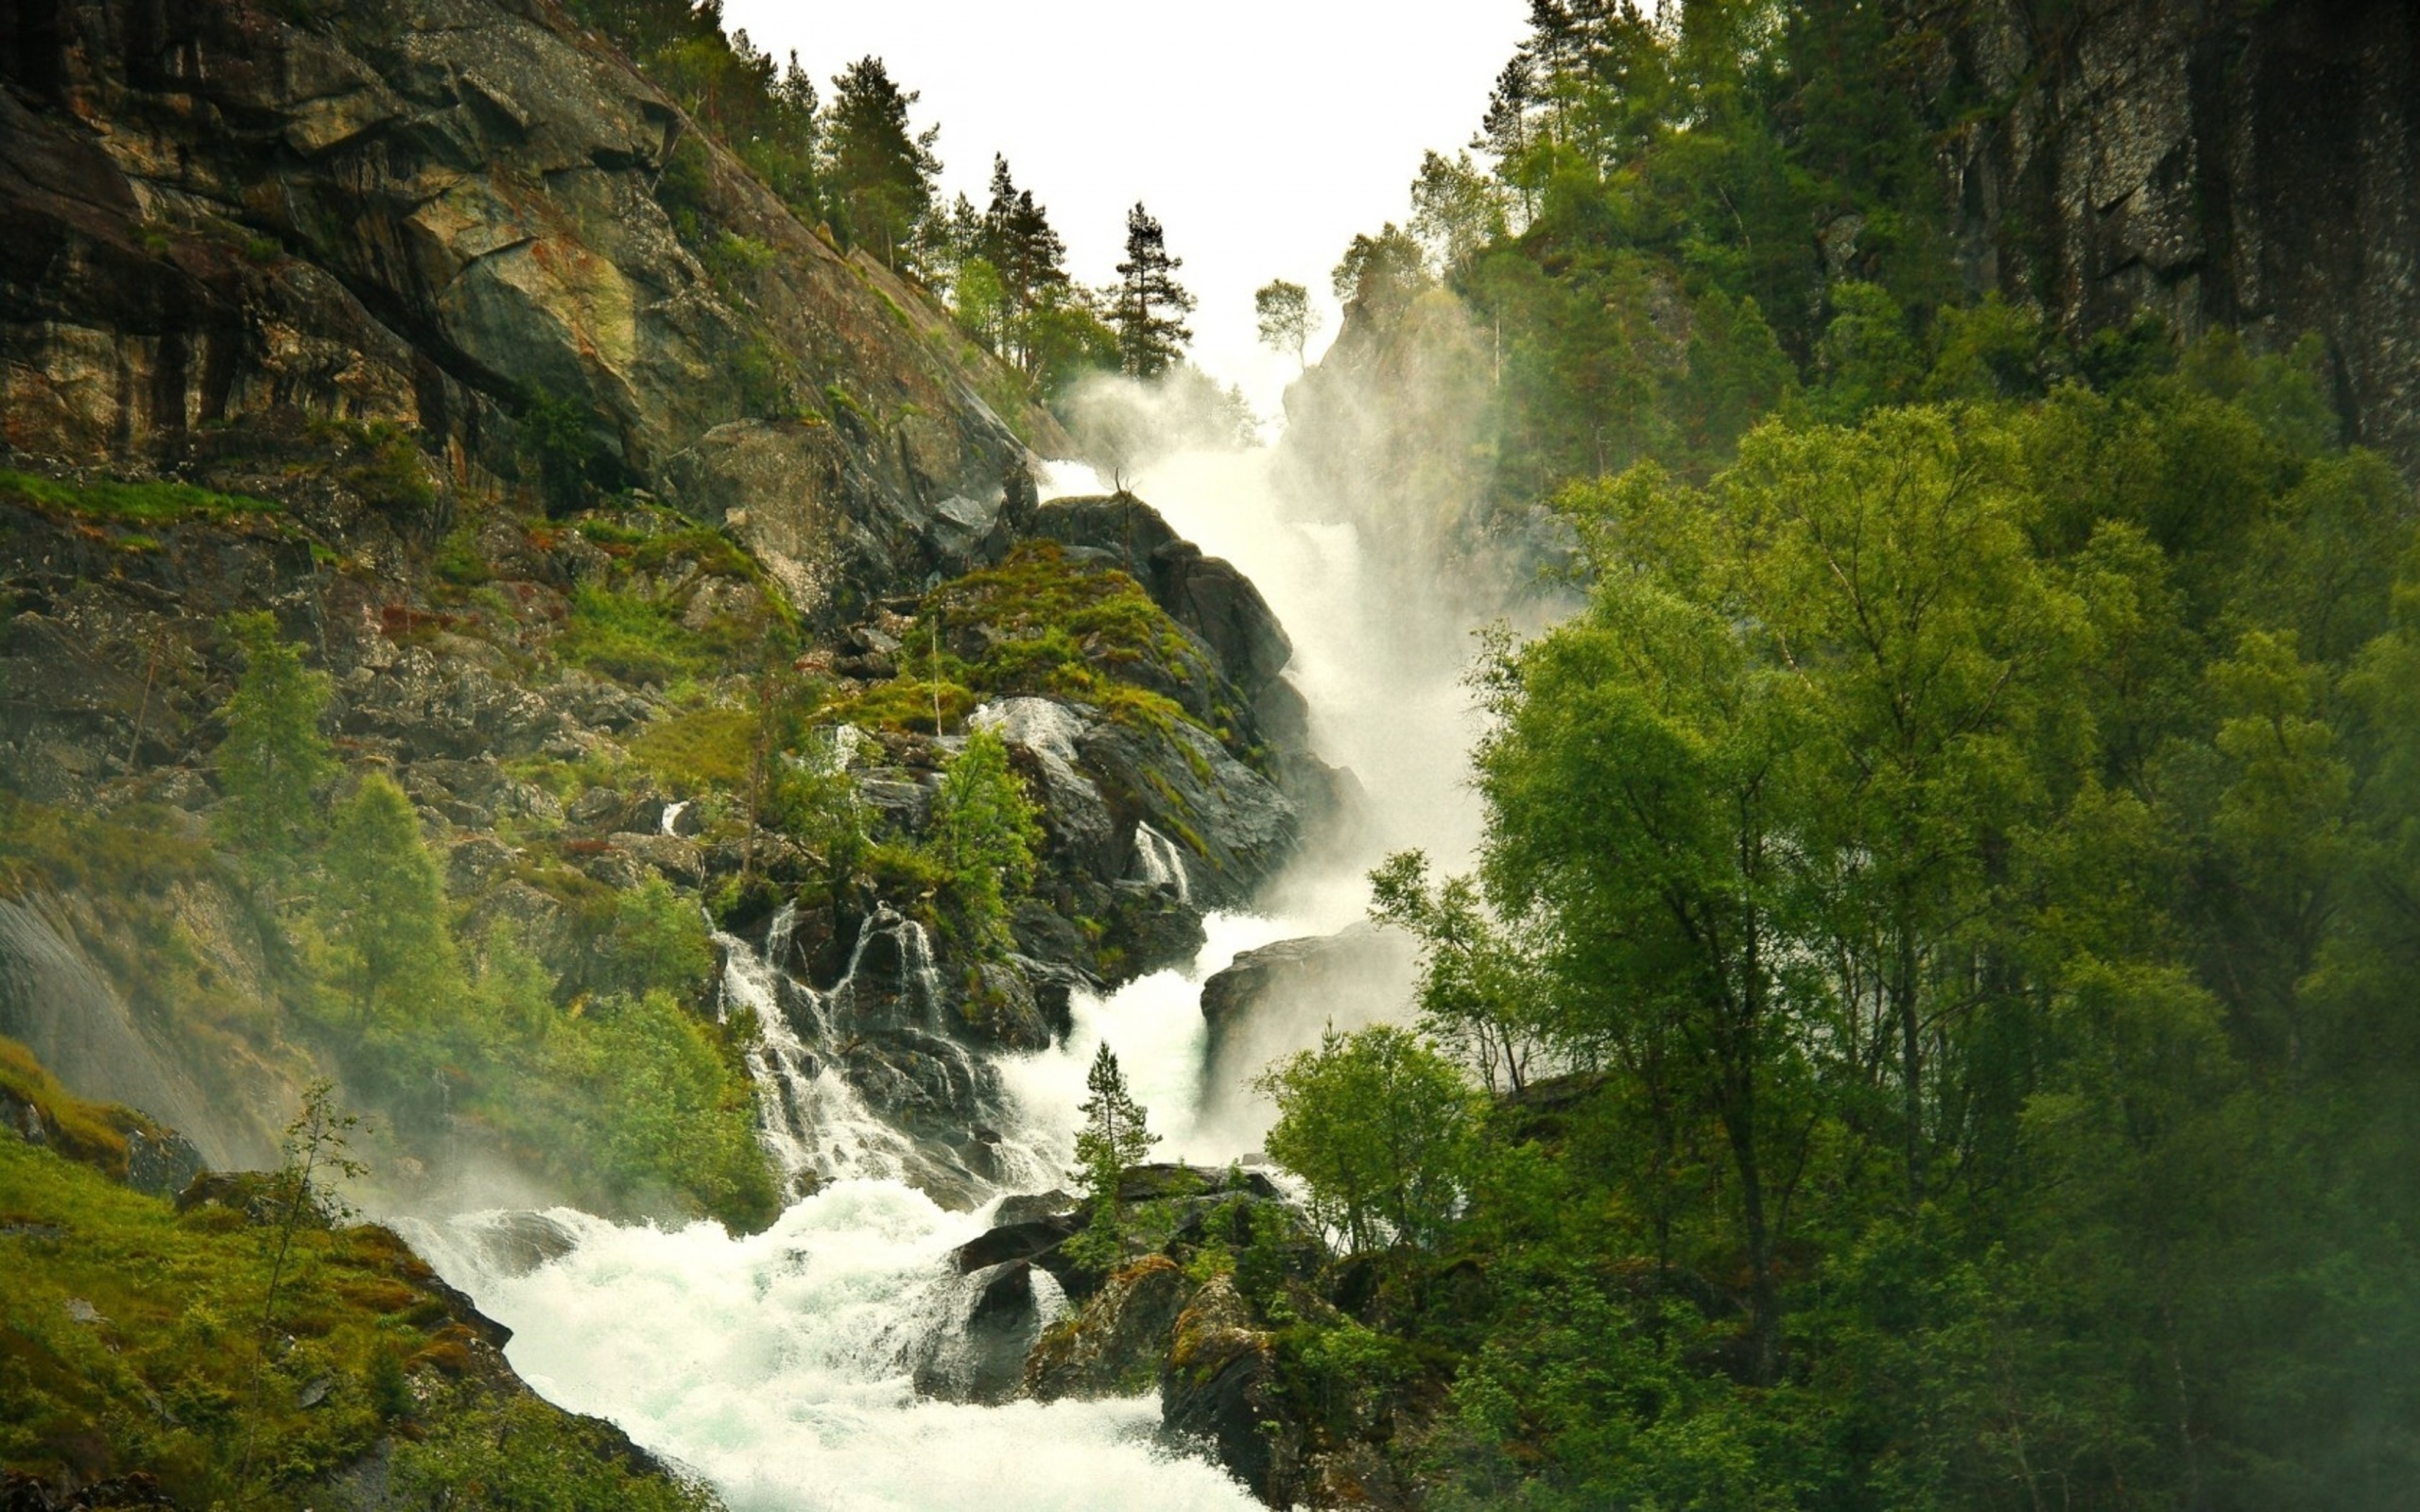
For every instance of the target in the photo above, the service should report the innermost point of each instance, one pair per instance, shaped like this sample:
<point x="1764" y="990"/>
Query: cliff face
<point x="442" y="214"/>
<point x="2223" y="165"/>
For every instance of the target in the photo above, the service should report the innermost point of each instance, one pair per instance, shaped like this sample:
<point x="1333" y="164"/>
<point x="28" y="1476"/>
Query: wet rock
<point x="1205" y="594"/>
<point x="1219" y="1384"/>
<point x="1015" y="1240"/>
<point x="1231" y="822"/>
<point x="983" y="1359"/>
<point x="1116" y="1344"/>
<point x="515" y="1243"/>
<point x="999" y="1008"/>
<point x="1025" y="1207"/>
<point x="1274" y="1001"/>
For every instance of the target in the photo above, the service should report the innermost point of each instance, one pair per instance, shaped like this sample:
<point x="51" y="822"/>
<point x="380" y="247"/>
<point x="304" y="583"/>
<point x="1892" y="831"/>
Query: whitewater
<point x="782" y="1367"/>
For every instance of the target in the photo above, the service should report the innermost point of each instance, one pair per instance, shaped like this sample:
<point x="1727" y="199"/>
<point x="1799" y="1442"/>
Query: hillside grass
<point x="146" y="503"/>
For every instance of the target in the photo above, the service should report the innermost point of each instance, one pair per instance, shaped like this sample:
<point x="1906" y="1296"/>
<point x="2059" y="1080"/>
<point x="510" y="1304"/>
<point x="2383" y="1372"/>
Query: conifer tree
<point x="1116" y="1131"/>
<point x="1151" y="305"/>
<point x="273" y="756"/>
<point x="386" y="904"/>
<point x="1027" y="254"/>
<point x="878" y="173"/>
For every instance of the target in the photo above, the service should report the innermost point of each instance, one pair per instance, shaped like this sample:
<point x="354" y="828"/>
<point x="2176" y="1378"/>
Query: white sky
<point x="1263" y="133"/>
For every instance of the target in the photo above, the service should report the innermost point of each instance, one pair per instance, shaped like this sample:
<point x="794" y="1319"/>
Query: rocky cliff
<point x="462" y="216"/>
<point x="2254" y="167"/>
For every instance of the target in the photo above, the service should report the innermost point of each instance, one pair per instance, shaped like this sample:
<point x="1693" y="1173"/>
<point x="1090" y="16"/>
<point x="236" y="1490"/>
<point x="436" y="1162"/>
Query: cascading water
<point x="786" y="1366"/>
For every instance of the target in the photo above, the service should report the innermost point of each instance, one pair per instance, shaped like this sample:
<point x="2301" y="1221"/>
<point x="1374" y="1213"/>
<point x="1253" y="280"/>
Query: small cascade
<point x="1162" y="863"/>
<point x="672" y="813"/>
<point x="815" y="1126"/>
<point x="863" y="1081"/>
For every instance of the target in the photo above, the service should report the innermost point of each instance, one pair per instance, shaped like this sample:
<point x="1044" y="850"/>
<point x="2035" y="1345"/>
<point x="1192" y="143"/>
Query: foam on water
<point x="779" y="1366"/>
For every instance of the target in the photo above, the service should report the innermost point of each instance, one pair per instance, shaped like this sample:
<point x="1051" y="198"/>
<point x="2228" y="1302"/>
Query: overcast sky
<point x="1263" y="133"/>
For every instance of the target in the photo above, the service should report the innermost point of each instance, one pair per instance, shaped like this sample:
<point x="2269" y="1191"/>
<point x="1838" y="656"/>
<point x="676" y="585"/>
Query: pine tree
<point x="878" y="173"/>
<point x="273" y="756"/>
<point x="1116" y="1131"/>
<point x="1151" y="305"/>
<point x="1031" y="259"/>
<point x="1116" y="1135"/>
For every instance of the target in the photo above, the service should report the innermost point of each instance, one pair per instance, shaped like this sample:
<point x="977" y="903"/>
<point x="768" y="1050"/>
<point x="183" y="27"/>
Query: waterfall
<point x="1163" y="864"/>
<point x="805" y="1367"/>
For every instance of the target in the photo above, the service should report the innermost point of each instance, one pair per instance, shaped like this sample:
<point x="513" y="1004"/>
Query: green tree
<point x="1151" y="305"/>
<point x="384" y="906"/>
<point x="1380" y="1127"/>
<point x="273" y="759"/>
<point x="1284" y="311"/>
<point x="1481" y="991"/>
<point x="1116" y="1134"/>
<point x="657" y="943"/>
<point x="985" y="836"/>
<point x="878" y="172"/>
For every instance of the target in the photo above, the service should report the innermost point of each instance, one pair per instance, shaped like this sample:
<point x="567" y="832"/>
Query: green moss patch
<point x="130" y="1341"/>
<point x="151" y="502"/>
<point x="1040" y="623"/>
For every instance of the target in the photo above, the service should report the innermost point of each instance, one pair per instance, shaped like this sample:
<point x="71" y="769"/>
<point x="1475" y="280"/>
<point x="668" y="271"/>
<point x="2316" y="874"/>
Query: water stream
<point x="784" y="1367"/>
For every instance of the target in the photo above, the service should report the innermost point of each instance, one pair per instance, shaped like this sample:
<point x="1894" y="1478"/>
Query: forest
<point x="1938" y="976"/>
<point x="1929" y="1021"/>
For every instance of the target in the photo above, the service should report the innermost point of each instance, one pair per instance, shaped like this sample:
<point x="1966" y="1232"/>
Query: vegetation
<point x="984" y="838"/>
<point x="1284" y="312"/>
<point x="1379" y="1126"/>
<point x="273" y="759"/>
<point x="127" y="1330"/>
<point x="149" y="502"/>
<point x="1151" y="305"/>
<point x="1116" y="1134"/>
<point x="1950" y="864"/>
<point x="1039" y="623"/>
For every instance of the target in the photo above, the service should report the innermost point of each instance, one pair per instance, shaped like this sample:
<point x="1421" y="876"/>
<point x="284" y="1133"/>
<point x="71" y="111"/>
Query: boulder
<point x="1019" y="1240"/>
<point x="1219" y="1385"/>
<point x="1205" y="594"/>
<point x="1281" y="998"/>
<point x="1116" y="1345"/>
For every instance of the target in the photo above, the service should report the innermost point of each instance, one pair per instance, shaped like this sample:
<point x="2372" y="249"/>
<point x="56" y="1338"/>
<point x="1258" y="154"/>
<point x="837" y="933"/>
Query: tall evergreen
<point x="878" y="173"/>
<point x="274" y="757"/>
<point x="1151" y="305"/>
<point x="1027" y="253"/>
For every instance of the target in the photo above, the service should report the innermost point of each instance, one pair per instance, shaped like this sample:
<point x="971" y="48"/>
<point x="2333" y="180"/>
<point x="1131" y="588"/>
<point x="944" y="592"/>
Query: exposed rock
<point x="1219" y="1384"/>
<point x="1015" y="1240"/>
<point x="983" y="1360"/>
<point x="2256" y="167"/>
<point x="1281" y="998"/>
<point x="419" y="211"/>
<point x="1116" y="1344"/>
<point x="1205" y="594"/>
<point x="55" y="1000"/>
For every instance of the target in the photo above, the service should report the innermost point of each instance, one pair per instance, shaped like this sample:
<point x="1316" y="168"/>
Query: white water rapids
<point x="782" y="1367"/>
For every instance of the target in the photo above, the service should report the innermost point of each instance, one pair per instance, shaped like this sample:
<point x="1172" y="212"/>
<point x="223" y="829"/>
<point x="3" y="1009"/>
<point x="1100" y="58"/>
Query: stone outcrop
<point x="2249" y="166"/>
<point x="1280" y="998"/>
<point x="438" y="213"/>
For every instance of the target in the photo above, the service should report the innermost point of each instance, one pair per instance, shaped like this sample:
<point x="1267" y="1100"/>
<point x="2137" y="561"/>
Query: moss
<point x="128" y="1341"/>
<point x="92" y="1133"/>
<point x="145" y="503"/>
<point x="1045" y="624"/>
<point x="637" y="640"/>
<point x="132" y="850"/>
